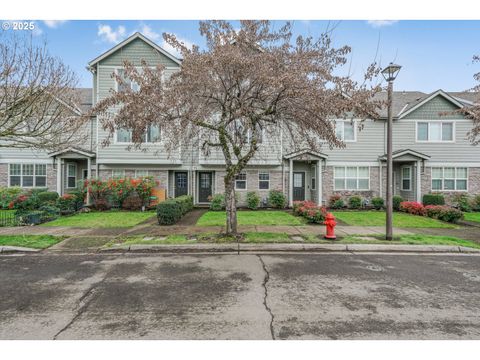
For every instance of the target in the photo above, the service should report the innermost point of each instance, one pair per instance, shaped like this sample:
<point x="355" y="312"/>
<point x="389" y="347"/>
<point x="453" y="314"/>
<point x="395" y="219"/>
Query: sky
<point x="433" y="54"/>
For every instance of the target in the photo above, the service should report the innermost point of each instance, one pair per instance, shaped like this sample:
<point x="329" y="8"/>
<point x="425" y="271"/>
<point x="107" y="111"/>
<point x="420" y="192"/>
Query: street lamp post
<point x="390" y="73"/>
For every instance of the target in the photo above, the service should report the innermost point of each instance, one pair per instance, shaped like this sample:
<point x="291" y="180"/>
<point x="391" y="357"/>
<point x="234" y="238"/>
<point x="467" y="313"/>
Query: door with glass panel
<point x="181" y="183"/>
<point x="298" y="186"/>
<point x="204" y="186"/>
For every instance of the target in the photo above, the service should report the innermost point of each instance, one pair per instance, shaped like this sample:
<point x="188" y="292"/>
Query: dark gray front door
<point x="204" y="186"/>
<point x="181" y="183"/>
<point x="298" y="186"/>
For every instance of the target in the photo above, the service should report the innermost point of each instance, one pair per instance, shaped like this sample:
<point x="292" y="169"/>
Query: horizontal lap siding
<point x="118" y="153"/>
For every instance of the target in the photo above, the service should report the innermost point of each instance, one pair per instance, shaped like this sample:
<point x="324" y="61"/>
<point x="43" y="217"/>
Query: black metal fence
<point x="9" y="218"/>
<point x="13" y="218"/>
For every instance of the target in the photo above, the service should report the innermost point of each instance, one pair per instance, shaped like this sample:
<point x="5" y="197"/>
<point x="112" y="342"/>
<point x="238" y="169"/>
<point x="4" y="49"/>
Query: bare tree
<point x="246" y="81"/>
<point x="37" y="98"/>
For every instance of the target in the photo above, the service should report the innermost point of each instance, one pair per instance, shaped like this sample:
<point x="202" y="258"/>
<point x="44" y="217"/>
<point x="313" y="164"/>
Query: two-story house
<point x="431" y="149"/>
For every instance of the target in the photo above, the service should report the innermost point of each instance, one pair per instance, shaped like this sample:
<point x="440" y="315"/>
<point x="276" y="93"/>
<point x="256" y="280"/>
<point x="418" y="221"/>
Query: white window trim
<point x="455" y="179"/>
<point x="246" y="183"/>
<point x="409" y="178"/>
<point x="354" y="124"/>
<point x="131" y="142"/>
<point x="123" y="176"/>
<point x="345" y="178"/>
<point x="68" y="176"/>
<point x="249" y="134"/>
<point x="264" y="172"/>
<point x="34" y="175"/>
<point x="441" y="131"/>
<point x="313" y="176"/>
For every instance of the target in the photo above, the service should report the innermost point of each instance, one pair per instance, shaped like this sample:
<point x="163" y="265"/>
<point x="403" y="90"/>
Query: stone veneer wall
<point x="473" y="184"/>
<point x="252" y="184"/>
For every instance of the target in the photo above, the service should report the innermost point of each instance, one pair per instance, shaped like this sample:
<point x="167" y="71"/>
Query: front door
<point x="298" y="186"/>
<point x="204" y="186"/>
<point x="181" y="183"/>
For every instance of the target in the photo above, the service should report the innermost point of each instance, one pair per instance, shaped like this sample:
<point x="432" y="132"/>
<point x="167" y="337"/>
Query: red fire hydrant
<point x="330" y="223"/>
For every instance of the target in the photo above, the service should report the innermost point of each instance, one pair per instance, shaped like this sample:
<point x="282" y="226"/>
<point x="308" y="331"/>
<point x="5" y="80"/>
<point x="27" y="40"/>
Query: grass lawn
<point x="105" y="219"/>
<point x="414" y="239"/>
<point x="6" y="211"/>
<point x="258" y="217"/>
<point x="30" y="241"/>
<point x="472" y="216"/>
<point x="377" y="218"/>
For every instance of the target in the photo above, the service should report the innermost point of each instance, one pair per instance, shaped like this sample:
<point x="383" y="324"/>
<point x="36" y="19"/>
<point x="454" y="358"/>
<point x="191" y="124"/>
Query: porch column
<point x="290" y="183"/>
<point x="89" y="175"/>
<point x="319" y="182"/>
<point x="380" y="177"/>
<point x="419" y="181"/>
<point x="59" y="175"/>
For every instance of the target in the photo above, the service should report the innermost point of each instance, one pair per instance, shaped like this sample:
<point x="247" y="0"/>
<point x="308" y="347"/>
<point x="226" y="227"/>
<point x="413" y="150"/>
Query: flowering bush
<point x="144" y="187"/>
<point x="443" y="212"/>
<point x="336" y="202"/>
<point x="7" y="195"/>
<point x="67" y="203"/>
<point x="98" y="191"/>
<point x="310" y="211"/>
<point x="119" y="190"/>
<point x="412" y="207"/>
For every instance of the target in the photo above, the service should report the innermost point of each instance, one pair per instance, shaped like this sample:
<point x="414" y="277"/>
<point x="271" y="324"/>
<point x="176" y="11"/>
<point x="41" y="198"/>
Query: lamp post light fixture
<point x="390" y="73"/>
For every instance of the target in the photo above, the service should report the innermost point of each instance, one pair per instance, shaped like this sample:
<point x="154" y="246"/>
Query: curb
<point x="17" y="249"/>
<point x="300" y="248"/>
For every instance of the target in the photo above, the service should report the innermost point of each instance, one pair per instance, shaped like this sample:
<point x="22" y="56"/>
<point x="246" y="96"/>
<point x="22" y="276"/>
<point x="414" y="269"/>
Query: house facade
<point x="431" y="150"/>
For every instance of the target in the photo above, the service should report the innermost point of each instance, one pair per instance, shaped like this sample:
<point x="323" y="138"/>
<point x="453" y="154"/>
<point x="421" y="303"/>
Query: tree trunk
<point x="230" y="206"/>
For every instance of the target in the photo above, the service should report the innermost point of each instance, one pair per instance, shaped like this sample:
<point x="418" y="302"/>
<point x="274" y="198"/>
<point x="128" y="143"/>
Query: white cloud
<point x="381" y="23"/>
<point x="149" y="32"/>
<point x="54" y="23"/>
<point x="110" y="35"/>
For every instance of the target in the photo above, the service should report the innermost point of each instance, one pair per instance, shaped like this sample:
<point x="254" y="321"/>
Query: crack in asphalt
<point x="264" y="284"/>
<point x="83" y="303"/>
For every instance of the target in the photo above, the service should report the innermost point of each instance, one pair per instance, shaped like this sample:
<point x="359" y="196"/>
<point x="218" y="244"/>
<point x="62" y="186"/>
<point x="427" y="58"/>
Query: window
<point x="406" y="178"/>
<point x="118" y="173"/>
<point x="435" y="131"/>
<point x="352" y="177"/>
<point x="141" y="173"/>
<point x="314" y="177"/>
<point x="260" y="135"/>
<point x="264" y="180"/>
<point x="28" y="175"/>
<point x="345" y="130"/>
<point x="449" y="179"/>
<point x="127" y="82"/>
<point x="152" y="134"/>
<point x="71" y="175"/>
<point x="123" y="136"/>
<point x="241" y="181"/>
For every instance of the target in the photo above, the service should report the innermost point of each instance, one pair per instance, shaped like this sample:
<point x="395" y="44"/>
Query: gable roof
<point x="73" y="149"/>
<point x="402" y="152"/>
<point x="298" y="153"/>
<point x="128" y="40"/>
<point x="412" y="107"/>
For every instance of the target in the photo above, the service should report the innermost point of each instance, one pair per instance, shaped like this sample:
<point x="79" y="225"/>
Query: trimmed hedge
<point x="253" y="200"/>
<point x="396" y="201"/>
<point x="433" y="199"/>
<point x="444" y="213"/>
<point x="378" y="203"/>
<point x="355" y="202"/>
<point x="48" y="197"/>
<point x="277" y="199"/>
<point x="172" y="210"/>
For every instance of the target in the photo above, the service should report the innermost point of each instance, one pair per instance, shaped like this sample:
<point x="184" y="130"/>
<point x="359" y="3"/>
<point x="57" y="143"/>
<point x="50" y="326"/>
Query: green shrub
<point x="277" y="199"/>
<point x="79" y="197"/>
<point x="378" y="203"/>
<point x="355" y="202"/>
<point x="171" y="210"/>
<point x="8" y="194"/>
<point x="476" y="203"/>
<point x="49" y="197"/>
<point x="217" y="202"/>
<point x="433" y="199"/>
<point x="396" y="201"/>
<point x="443" y="213"/>
<point x="132" y="202"/>
<point x="336" y="202"/>
<point x="462" y="202"/>
<point x="50" y="212"/>
<point x="253" y="200"/>
<point x="67" y="204"/>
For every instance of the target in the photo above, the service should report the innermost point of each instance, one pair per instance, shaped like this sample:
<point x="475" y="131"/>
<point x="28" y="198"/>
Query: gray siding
<point x="434" y="108"/>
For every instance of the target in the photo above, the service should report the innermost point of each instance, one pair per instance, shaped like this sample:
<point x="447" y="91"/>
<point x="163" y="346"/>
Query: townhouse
<point x="431" y="150"/>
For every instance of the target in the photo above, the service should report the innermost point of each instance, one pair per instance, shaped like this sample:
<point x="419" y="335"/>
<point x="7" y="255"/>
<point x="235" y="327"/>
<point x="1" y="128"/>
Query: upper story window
<point x="352" y="178"/>
<point x="435" y="131"/>
<point x="127" y="82"/>
<point x="28" y="175"/>
<point x="449" y="178"/>
<point x="152" y="135"/>
<point x="345" y="130"/>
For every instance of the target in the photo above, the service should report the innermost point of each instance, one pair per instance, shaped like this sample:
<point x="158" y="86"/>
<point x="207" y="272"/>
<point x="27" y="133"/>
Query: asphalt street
<point x="307" y="296"/>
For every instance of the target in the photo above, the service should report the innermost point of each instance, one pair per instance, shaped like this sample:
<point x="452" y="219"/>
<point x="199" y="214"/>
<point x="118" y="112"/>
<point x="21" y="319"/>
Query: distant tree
<point x="246" y="81"/>
<point x="473" y="112"/>
<point x="37" y="97"/>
